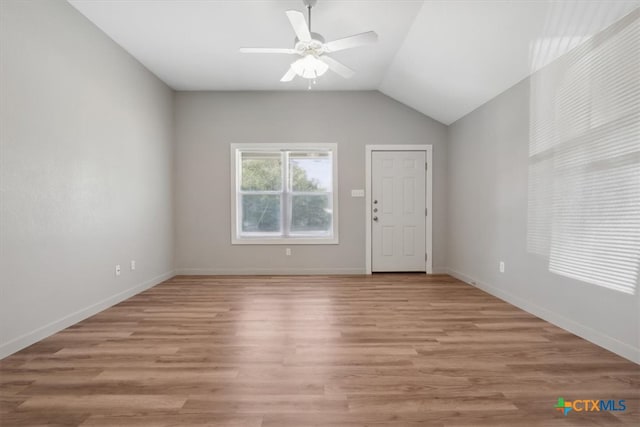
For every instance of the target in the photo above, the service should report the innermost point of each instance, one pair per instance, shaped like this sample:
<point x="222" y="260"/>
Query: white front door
<point x="398" y="211"/>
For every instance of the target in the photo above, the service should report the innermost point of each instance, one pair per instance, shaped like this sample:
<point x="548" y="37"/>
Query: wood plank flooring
<point x="397" y="350"/>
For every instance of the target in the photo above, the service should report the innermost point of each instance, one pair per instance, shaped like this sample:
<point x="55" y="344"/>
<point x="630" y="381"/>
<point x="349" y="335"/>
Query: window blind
<point x="584" y="160"/>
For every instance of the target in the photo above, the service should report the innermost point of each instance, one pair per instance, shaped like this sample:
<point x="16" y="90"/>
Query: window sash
<point x="309" y="233"/>
<point x="241" y="218"/>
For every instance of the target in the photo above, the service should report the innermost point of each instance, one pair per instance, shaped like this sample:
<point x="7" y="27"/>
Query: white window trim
<point x="291" y="240"/>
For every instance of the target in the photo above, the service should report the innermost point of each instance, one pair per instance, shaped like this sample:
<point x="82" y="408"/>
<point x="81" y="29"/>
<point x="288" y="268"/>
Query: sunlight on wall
<point x="584" y="159"/>
<point x="569" y="24"/>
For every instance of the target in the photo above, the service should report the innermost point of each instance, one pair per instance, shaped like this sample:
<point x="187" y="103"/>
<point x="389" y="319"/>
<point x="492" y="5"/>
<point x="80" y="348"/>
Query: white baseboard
<point x="279" y="271"/>
<point x="598" y="338"/>
<point x="38" y="334"/>
<point x="266" y="271"/>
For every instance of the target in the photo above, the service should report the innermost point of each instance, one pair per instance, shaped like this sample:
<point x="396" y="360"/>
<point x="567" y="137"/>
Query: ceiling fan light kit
<point x="309" y="67"/>
<point x="312" y="48"/>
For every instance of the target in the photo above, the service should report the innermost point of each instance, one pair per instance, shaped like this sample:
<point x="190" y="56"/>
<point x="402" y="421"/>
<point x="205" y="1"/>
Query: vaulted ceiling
<point x="442" y="58"/>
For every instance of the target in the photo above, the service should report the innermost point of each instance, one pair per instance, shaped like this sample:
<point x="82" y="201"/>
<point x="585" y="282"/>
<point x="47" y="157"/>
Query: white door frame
<point x="428" y="149"/>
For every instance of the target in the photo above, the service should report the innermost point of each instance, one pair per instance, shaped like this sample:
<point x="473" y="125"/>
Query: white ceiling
<point x="460" y="54"/>
<point x="443" y="58"/>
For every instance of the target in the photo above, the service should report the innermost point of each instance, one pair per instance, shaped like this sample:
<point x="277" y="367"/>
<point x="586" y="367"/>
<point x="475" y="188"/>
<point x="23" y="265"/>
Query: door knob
<point x="375" y="218"/>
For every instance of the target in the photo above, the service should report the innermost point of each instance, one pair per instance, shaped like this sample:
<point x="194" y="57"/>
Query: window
<point x="284" y="194"/>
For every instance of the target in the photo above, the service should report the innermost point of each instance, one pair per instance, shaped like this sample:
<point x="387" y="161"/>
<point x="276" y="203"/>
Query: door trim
<point x="428" y="149"/>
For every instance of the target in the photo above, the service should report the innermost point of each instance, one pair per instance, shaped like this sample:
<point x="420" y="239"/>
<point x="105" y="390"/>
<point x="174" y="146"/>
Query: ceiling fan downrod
<point x="309" y="4"/>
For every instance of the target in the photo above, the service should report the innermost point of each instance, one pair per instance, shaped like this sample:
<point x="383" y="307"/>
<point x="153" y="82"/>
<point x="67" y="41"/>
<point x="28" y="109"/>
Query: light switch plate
<point x="357" y="193"/>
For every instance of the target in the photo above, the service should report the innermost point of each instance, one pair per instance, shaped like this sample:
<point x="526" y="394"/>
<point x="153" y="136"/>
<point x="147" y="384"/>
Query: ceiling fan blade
<point x="351" y="41"/>
<point x="299" y="25"/>
<point x="266" y="50"/>
<point x="289" y="75"/>
<point x="337" y="67"/>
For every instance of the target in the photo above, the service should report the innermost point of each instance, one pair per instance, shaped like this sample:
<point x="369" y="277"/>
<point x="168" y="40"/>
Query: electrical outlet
<point x="133" y="264"/>
<point x="501" y="266"/>
<point x="287" y="252"/>
<point x="118" y="270"/>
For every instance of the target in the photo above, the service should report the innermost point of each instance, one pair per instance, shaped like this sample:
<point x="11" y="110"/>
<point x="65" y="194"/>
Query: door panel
<point x="408" y="188"/>
<point x="386" y="198"/>
<point x="387" y="241"/>
<point x="398" y="211"/>
<point x="408" y="238"/>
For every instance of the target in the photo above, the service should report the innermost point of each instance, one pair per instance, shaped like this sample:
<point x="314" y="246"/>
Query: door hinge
<point x="426" y="212"/>
<point x="426" y="257"/>
<point x="426" y="166"/>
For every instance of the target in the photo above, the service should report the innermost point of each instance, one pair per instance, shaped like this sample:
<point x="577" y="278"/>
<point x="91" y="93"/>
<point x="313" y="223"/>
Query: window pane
<point x="261" y="171"/>
<point x="311" y="214"/>
<point x="260" y="213"/>
<point x="310" y="171"/>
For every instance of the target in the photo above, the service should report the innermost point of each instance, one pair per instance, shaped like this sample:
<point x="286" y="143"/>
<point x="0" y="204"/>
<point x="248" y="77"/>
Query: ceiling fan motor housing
<point x="311" y="47"/>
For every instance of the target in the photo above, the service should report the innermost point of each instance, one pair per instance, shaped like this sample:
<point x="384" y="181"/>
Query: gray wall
<point x="488" y="158"/>
<point x="207" y="122"/>
<point x="86" y="172"/>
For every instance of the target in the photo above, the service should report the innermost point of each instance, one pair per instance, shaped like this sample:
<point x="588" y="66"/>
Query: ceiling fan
<point x="312" y="49"/>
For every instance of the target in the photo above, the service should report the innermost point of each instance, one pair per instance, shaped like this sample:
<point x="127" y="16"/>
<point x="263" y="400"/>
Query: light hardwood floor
<point x="402" y="350"/>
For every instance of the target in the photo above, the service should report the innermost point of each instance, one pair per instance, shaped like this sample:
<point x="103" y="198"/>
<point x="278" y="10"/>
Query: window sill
<point x="285" y="241"/>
